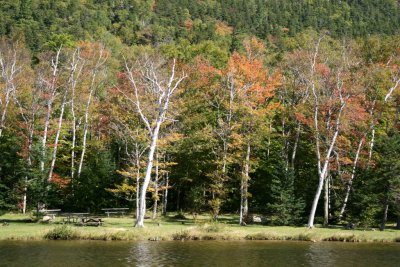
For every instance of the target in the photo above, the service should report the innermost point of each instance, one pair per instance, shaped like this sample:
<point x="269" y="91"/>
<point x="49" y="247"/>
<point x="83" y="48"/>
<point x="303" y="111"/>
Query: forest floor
<point x="25" y="227"/>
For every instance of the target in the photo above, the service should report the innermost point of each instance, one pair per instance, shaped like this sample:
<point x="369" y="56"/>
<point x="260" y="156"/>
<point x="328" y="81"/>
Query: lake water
<point x="196" y="253"/>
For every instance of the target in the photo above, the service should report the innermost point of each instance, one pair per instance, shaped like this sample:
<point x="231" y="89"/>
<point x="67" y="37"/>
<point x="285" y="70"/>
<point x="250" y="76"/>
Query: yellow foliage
<point x="222" y="29"/>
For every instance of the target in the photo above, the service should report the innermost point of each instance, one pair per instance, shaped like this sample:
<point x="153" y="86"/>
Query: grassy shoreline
<point x="20" y="227"/>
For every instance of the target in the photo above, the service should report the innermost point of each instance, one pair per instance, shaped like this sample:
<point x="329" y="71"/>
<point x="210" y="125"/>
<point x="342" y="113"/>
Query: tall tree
<point x="152" y="87"/>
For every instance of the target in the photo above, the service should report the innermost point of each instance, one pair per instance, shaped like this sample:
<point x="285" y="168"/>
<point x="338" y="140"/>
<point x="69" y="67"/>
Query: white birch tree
<point x="153" y="83"/>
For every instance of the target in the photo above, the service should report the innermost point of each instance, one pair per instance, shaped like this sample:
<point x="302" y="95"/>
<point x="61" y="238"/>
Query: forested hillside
<point x="162" y="21"/>
<point x="288" y="108"/>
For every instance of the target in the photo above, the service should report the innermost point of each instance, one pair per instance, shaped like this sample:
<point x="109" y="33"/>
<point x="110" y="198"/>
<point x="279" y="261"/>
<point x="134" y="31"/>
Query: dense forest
<point x="289" y="109"/>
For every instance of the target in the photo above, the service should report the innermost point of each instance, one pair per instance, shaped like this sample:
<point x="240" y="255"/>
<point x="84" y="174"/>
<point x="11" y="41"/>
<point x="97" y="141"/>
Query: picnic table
<point x="109" y="211"/>
<point x="75" y="217"/>
<point x="92" y="221"/>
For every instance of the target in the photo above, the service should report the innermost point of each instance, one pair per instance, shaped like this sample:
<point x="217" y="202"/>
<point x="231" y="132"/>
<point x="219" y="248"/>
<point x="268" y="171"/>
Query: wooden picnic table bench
<point x="109" y="211"/>
<point x="75" y="217"/>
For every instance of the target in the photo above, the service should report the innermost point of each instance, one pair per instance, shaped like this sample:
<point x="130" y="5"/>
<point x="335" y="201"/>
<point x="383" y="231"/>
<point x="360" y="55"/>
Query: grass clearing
<point x="24" y="227"/>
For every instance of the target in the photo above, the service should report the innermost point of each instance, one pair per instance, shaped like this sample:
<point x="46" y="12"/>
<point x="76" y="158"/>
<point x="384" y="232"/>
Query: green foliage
<point x="285" y="208"/>
<point x="12" y="171"/>
<point x="90" y="192"/>
<point x="57" y="41"/>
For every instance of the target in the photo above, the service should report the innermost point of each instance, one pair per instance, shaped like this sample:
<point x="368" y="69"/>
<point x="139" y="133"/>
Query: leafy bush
<point x="61" y="233"/>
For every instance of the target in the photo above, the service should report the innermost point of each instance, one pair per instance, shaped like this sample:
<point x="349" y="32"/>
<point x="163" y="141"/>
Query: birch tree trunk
<point x="52" y="90"/>
<point x="74" y="81"/>
<point x="25" y="189"/>
<point x="85" y="131"/>
<point x="334" y="95"/>
<point x="323" y="169"/>
<point x="386" y="99"/>
<point x="326" y="201"/>
<point x="99" y="62"/>
<point x="4" y="111"/>
<point x="137" y="181"/>
<point x="295" y="145"/>
<point x="60" y="121"/>
<point x="165" y="198"/>
<point x="71" y="84"/>
<point x="350" y="182"/>
<point x="73" y="141"/>
<point x="155" y="197"/>
<point x="244" y="187"/>
<point x="9" y="70"/>
<point x="145" y="185"/>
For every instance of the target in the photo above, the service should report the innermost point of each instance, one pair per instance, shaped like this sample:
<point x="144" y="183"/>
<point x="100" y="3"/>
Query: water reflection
<point x="320" y="255"/>
<point x="142" y="254"/>
<point x="197" y="253"/>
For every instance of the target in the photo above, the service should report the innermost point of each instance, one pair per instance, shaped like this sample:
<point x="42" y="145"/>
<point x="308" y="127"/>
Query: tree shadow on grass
<point x="192" y="220"/>
<point x="2" y="221"/>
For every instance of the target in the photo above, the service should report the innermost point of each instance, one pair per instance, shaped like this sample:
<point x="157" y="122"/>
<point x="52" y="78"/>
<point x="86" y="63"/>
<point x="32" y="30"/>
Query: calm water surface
<point x="197" y="253"/>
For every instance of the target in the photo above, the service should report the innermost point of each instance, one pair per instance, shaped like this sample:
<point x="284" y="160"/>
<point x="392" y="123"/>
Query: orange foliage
<point x="302" y="119"/>
<point x="59" y="181"/>
<point x="203" y="74"/>
<point x="90" y="50"/>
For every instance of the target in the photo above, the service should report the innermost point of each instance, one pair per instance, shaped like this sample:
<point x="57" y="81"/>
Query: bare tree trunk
<point x="25" y="190"/>
<point x="5" y="108"/>
<point x="145" y="185"/>
<point x="100" y="61"/>
<point x="178" y="199"/>
<point x="269" y="139"/>
<point x="323" y="169"/>
<point x="326" y="201"/>
<point x="350" y="182"/>
<point x="60" y="121"/>
<point x="30" y="142"/>
<point x="322" y="172"/>
<point x="155" y="196"/>
<point x="244" y="208"/>
<point x="73" y="142"/>
<point x="285" y="149"/>
<point x="137" y="181"/>
<point x="9" y="70"/>
<point x="52" y="93"/>
<point x="72" y="81"/>
<point x="86" y="127"/>
<point x="371" y="144"/>
<point x="295" y="145"/>
<point x="385" y="213"/>
<point x="44" y="139"/>
<point x="165" y="199"/>
<point x="386" y="99"/>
